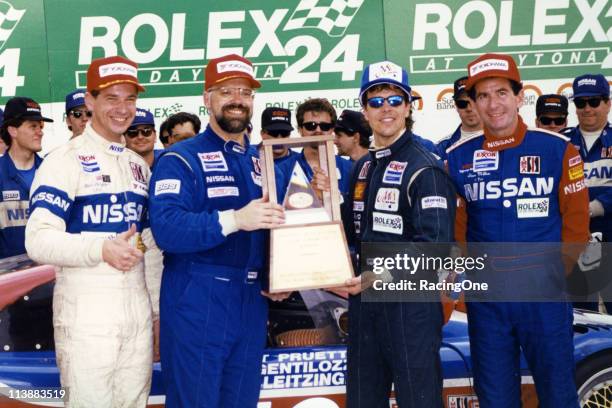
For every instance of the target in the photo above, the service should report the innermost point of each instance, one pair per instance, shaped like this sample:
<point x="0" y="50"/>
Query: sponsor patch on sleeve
<point x="575" y="172"/>
<point x="359" y="192"/>
<point x="167" y="186"/>
<point x="433" y="202"/>
<point x="11" y="195"/>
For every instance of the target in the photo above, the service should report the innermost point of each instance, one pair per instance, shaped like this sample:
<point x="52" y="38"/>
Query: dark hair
<point x="364" y="138"/>
<point x="516" y="88"/>
<point x="381" y="87"/>
<point x="94" y="92"/>
<point x="180" y="118"/>
<point x="315" y="105"/>
<point x="6" y="137"/>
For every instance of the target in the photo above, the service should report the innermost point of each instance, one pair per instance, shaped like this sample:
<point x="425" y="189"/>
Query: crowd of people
<point x="125" y="221"/>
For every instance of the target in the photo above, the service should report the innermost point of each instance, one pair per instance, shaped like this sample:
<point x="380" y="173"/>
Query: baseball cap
<point x="591" y="85"/>
<point x="551" y="103"/>
<point x="142" y="117"/>
<point x="459" y="87"/>
<point x="384" y="72"/>
<point x="352" y="122"/>
<point x="23" y="108"/>
<point x="74" y="99"/>
<point x="276" y="119"/>
<point x="105" y="72"/>
<point x="492" y="66"/>
<point x="229" y="67"/>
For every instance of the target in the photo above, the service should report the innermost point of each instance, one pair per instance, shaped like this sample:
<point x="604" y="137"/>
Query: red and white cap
<point x="229" y="67"/>
<point x="105" y="72"/>
<point x="492" y="66"/>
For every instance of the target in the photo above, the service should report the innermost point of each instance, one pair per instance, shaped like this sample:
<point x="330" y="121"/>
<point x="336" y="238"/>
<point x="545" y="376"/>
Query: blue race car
<point x="304" y="366"/>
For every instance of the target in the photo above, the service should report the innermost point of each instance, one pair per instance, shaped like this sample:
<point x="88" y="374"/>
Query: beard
<point x="233" y="125"/>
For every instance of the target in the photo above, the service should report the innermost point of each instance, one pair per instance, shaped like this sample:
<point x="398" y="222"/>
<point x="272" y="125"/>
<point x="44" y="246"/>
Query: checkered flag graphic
<point x="9" y="18"/>
<point x="331" y="16"/>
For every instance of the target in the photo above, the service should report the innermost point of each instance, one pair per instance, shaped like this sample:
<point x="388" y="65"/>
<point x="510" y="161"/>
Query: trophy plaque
<point x="309" y="251"/>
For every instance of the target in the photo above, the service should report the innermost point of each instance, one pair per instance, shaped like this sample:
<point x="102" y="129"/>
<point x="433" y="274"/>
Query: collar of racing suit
<point x="497" y="144"/>
<point x="111" y="148"/>
<point x="378" y="154"/>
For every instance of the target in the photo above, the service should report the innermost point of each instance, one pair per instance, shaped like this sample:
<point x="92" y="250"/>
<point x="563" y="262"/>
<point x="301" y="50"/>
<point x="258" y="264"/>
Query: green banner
<point x="294" y="45"/>
<point x="548" y="38"/>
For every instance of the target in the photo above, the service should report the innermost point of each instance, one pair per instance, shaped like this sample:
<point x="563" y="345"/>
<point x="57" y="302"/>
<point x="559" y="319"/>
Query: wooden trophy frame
<point x="307" y="255"/>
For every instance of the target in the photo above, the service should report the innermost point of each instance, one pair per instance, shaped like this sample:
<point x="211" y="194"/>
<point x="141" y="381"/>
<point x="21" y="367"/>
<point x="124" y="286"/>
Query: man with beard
<point x="209" y="217"/>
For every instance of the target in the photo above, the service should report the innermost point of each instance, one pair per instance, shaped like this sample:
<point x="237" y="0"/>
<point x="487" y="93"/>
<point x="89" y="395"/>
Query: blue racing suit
<point x="343" y="168"/>
<point x="598" y="179"/>
<point x="212" y="314"/>
<point x="527" y="187"/>
<point x="399" y="193"/>
<point x="14" y="207"/>
<point x="447" y="142"/>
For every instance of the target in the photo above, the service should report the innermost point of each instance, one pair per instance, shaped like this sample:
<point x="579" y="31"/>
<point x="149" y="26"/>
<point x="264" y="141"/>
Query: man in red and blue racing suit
<point x="519" y="185"/>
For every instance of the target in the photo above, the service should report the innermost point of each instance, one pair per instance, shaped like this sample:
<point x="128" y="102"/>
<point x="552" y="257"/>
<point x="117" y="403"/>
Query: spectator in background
<point x="31" y="326"/>
<point x="3" y="145"/>
<point x="275" y="123"/>
<point x="317" y="117"/>
<point x="181" y="126"/>
<point x="551" y="112"/>
<point x="163" y="133"/>
<point x="470" y="121"/>
<point x="141" y="136"/>
<point x="593" y="138"/>
<point x="352" y="135"/>
<point x="77" y="114"/>
<point x="22" y="132"/>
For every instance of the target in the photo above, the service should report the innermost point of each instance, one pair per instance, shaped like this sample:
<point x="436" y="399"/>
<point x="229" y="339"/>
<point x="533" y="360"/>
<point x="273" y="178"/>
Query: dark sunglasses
<point x="546" y="120"/>
<point x="78" y="113"/>
<point x="393" y="100"/>
<point x="593" y="102"/>
<point x="132" y="133"/>
<point x="462" y="103"/>
<point x="312" y="126"/>
<point x="278" y="133"/>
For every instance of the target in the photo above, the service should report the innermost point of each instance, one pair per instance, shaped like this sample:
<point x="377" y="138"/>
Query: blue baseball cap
<point x="384" y="72"/>
<point x="143" y="117"/>
<point x="591" y="85"/>
<point x="74" y="99"/>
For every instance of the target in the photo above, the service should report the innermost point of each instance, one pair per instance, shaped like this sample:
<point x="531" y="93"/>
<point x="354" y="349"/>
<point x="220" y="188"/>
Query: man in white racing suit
<point x="89" y="217"/>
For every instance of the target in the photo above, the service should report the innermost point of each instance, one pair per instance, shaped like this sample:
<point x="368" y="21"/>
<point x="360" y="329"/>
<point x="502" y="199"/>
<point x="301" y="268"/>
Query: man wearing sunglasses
<point x="140" y="137"/>
<point x="593" y="139"/>
<point x="471" y="124"/>
<point x="317" y="117"/>
<point x="77" y="114"/>
<point x="518" y="185"/>
<point x="551" y="112"/>
<point x="276" y="123"/>
<point x="399" y="192"/>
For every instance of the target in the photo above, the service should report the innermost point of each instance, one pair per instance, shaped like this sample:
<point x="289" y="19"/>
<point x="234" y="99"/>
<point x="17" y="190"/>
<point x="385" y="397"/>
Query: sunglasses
<point x="379" y="101"/>
<point x="78" y="113"/>
<point x="278" y="133"/>
<point x="132" y="133"/>
<point x="312" y="126"/>
<point x="593" y="102"/>
<point x="546" y="120"/>
<point x="462" y="103"/>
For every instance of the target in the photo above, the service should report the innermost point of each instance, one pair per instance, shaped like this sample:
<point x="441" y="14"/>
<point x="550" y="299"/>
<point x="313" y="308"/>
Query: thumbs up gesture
<point x="119" y="253"/>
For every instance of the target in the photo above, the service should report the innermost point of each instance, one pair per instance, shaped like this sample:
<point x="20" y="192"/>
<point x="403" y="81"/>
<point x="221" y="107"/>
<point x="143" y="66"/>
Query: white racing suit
<point x="88" y="191"/>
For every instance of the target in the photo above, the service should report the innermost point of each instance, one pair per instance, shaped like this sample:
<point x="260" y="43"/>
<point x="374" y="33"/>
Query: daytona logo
<point x="511" y="187"/>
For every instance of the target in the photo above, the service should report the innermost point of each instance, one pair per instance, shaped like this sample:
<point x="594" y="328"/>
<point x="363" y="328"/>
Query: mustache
<point x="231" y="106"/>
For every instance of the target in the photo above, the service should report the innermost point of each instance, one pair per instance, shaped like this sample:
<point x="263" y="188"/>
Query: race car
<point x="303" y="367"/>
